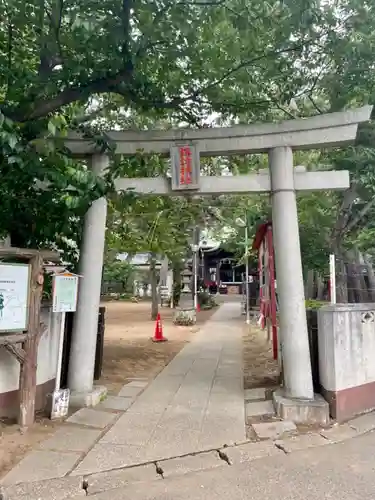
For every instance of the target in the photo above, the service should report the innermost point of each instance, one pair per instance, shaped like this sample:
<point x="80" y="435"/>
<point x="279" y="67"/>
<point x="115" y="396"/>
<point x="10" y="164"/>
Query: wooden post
<point x="27" y="392"/>
<point x="27" y="355"/>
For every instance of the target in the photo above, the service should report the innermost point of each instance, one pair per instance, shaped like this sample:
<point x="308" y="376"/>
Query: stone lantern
<point x="186" y="281"/>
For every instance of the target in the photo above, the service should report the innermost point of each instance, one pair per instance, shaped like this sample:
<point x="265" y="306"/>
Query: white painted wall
<point x="47" y="355"/>
<point x="346" y="345"/>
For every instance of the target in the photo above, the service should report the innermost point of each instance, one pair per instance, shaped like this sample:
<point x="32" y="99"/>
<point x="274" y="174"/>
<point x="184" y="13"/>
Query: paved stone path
<point x="195" y="404"/>
<point x="297" y="468"/>
<point x="187" y="427"/>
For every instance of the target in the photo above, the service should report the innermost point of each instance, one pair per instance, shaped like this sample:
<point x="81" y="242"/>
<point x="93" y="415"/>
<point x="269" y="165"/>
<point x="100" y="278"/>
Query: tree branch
<point x="359" y="216"/>
<point x="343" y="215"/>
<point x="126" y="35"/>
<point x="10" y="51"/>
<point x="43" y="107"/>
<point x="203" y="3"/>
<point x="314" y="104"/>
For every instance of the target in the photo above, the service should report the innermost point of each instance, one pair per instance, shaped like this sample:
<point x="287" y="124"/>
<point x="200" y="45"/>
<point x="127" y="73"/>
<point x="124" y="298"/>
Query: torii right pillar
<point x="293" y="325"/>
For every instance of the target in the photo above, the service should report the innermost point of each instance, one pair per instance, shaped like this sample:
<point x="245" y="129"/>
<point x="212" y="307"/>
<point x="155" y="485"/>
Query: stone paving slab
<point x="344" y="471"/>
<point x="256" y="394"/>
<point x="115" y="403"/>
<point x="105" y="481"/>
<point x="173" y="443"/>
<point x="138" y="383"/>
<point x="39" y="465"/>
<point x="69" y="438"/>
<point x="92" y="418"/>
<point x="54" y="489"/>
<point x="106" y="457"/>
<point x="191" y="463"/>
<point x="259" y="408"/>
<point x="251" y="451"/>
<point x="339" y="433"/>
<point x="273" y="430"/>
<point x="364" y="423"/>
<point x="129" y="391"/>
<point x="134" y="429"/>
<point x="301" y="442"/>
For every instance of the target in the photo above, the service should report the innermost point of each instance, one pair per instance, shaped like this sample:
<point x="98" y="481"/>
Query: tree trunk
<point x="371" y="278"/>
<point x="357" y="285"/>
<point x="309" y="287"/>
<point x="320" y="287"/>
<point x="341" y="282"/>
<point x="154" y="289"/>
<point x="164" y="272"/>
<point x="177" y="268"/>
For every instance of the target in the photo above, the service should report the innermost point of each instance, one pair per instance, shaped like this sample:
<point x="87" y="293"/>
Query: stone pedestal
<point x="346" y="339"/>
<point x="88" y="398"/>
<point x="301" y="411"/>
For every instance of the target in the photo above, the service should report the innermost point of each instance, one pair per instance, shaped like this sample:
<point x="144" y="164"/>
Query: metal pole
<point x="247" y="275"/>
<point x="195" y="279"/>
<point x="60" y="351"/>
<point x="332" y="272"/>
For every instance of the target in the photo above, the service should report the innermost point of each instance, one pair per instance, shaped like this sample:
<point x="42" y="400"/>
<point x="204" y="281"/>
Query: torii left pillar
<point x="85" y="328"/>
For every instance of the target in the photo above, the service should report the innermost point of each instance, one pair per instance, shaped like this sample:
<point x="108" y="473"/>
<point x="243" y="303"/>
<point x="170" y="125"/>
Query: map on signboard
<point x="65" y="290"/>
<point x="14" y="296"/>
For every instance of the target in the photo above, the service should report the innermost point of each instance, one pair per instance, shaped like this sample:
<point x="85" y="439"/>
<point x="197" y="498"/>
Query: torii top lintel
<point x="327" y="130"/>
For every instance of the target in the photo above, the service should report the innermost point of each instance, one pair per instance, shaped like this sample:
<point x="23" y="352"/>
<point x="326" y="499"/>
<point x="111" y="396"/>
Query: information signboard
<point x="65" y="291"/>
<point x="14" y="297"/>
<point x="185" y="164"/>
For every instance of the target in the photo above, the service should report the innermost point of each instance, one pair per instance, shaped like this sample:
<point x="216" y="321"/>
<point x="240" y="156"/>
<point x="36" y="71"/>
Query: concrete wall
<point x="346" y="334"/>
<point x="46" y="370"/>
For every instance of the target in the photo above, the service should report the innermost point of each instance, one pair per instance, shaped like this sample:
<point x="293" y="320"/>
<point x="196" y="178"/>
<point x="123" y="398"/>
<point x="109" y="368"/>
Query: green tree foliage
<point x="90" y="65"/>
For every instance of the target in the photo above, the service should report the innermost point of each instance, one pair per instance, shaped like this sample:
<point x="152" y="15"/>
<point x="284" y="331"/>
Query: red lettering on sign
<point x="185" y="165"/>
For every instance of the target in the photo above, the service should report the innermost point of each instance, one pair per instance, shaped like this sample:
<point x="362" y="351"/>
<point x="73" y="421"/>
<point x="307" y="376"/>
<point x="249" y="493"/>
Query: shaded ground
<point x="260" y="369"/>
<point x="128" y="352"/>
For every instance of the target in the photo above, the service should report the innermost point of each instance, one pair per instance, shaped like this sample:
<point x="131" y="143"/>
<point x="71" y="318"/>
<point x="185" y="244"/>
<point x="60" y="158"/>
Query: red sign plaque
<point x="185" y="167"/>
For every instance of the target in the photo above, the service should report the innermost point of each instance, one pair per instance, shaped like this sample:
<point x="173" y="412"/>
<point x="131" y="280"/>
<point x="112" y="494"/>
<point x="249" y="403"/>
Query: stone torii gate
<point x="283" y="181"/>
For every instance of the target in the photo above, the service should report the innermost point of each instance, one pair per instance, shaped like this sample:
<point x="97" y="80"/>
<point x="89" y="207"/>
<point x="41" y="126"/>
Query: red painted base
<point x="347" y="403"/>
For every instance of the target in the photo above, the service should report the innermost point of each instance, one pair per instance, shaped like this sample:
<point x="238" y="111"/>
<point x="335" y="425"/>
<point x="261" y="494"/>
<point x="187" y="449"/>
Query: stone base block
<point x="301" y="411"/>
<point x="89" y="398"/>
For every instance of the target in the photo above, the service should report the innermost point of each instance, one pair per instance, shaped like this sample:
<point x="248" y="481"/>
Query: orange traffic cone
<point x="158" y="335"/>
